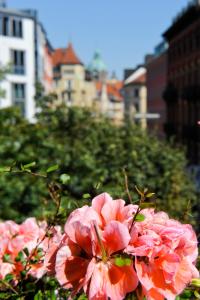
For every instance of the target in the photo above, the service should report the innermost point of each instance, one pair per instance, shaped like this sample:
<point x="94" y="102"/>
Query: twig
<point x="26" y="172"/>
<point x="10" y="287"/>
<point x="126" y="186"/>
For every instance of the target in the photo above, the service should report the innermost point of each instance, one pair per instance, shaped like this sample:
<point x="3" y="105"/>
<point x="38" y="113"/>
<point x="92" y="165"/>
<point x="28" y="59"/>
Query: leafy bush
<point x="93" y="154"/>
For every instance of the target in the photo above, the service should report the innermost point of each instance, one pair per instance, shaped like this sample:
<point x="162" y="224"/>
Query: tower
<point x="97" y="68"/>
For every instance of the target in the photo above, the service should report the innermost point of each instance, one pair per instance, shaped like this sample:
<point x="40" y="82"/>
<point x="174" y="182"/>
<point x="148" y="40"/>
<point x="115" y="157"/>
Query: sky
<point x="124" y="31"/>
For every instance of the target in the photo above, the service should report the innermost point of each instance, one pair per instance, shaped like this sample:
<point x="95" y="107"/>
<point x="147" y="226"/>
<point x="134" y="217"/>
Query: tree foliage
<point x="91" y="154"/>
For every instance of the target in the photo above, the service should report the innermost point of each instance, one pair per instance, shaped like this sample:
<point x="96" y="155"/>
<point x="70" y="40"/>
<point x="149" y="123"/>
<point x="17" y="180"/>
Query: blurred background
<point x="98" y="88"/>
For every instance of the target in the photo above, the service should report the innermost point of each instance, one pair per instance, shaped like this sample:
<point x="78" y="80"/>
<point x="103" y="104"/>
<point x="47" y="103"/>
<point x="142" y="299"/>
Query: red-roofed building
<point x="73" y="87"/>
<point x="70" y="84"/>
<point x="66" y="56"/>
<point x="110" y="99"/>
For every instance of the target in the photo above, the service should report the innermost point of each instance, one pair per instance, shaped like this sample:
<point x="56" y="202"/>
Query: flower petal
<point x="115" y="237"/>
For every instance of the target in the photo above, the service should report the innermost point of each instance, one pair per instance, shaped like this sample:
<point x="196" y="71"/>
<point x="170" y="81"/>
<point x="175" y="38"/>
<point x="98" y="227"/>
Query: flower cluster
<point x="26" y="249"/>
<point x="106" y="252"/>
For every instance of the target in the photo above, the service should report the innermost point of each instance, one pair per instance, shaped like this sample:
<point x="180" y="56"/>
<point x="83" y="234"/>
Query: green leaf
<point x="147" y="205"/>
<point x="122" y="261"/>
<point x="38" y="296"/>
<point x="9" y="277"/>
<point x="4" y="295"/>
<point x="196" y="282"/>
<point x="19" y="257"/>
<point x="128" y="261"/>
<point x="197" y="295"/>
<point x="140" y="218"/>
<point x="64" y="178"/>
<point x="7" y="258"/>
<point x="52" y="168"/>
<point x="26" y="251"/>
<point x="149" y="195"/>
<point x="23" y="273"/>
<point x="119" y="261"/>
<point x="27" y="166"/>
<point x="4" y="169"/>
<point x="86" y="196"/>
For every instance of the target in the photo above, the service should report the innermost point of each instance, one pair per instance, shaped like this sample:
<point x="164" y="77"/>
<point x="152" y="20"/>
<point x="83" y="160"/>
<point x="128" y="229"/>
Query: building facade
<point x="22" y="45"/>
<point x="156" y="77"/>
<point x="109" y="100"/>
<point x="70" y="84"/>
<point x="135" y="95"/>
<point x="182" y="93"/>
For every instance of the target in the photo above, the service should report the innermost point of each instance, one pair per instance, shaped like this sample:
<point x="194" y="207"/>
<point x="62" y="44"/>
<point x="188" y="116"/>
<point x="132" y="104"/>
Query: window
<point x="69" y="85"/>
<point x="70" y="72"/>
<point x="136" y="107"/>
<point x="11" y="26"/>
<point x="136" y="92"/>
<point x="16" y="26"/>
<point x="5" y="26"/>
<point x="18" y="61"/>
<point x="18" y="95"/>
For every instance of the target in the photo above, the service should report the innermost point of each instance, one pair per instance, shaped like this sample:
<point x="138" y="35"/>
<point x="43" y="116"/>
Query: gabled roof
<point x="138" y="76"/>
<point x="112" y="89"/>
<point x="65" y="56"/>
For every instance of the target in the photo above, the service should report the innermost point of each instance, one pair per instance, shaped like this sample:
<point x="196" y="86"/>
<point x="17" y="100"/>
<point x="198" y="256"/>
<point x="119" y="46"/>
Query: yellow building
<point x="86" y="87"/>
<point x="70" y="84"/>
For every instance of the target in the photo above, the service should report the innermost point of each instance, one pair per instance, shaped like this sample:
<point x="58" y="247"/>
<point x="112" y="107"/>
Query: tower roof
<point x="66" y="56"/>
<point x="97" y="64"/>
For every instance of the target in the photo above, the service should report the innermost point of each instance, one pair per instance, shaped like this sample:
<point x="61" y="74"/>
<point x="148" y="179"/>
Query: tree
<point x="93" y="154"/>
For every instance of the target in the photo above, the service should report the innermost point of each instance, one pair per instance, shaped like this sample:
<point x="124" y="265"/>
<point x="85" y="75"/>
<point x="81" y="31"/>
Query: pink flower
<point x="165" y="251"/>
<point x="14" y="240"/>
<point x="94" y="236"/>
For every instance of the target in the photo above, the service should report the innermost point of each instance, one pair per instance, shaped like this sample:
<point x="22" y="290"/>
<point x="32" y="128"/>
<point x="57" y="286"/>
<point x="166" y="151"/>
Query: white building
<point x="135" y="96"/>
<point x="24" y="47"/>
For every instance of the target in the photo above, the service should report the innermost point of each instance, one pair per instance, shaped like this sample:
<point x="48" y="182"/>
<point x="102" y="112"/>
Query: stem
<point x="135" y="215"/>
<point x="103" y="251"/>
<point x="25" y="172"/>
<point x="10" y="287"/>
<point x="126" y="186"/>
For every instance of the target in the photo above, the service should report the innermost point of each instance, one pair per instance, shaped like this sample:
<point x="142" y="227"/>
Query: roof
<point x="184" y="19"/>
<point x="138" y="76"/>
<point x="113" y="89"/>
<point x="66" y="56"/>
<point x="32" y="14"/>
<point x="97" y="64"/>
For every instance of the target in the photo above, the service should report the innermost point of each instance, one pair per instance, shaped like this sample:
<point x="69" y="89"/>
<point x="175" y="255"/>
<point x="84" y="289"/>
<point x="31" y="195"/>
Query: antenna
<point x="3" y="3"/>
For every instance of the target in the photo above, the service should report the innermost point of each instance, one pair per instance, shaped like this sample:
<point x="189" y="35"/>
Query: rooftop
<point x="138" y="76"/>
<point x="30" y="13"/>
<point x="185" y="18"/>
<point x="113" y="89"/>
<point x="66" y="56"/>
<point x="97" y="64"/>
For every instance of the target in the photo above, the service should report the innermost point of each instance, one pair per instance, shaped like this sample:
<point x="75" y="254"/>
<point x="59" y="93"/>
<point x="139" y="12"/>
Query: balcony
<point x="18" y="70"/>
